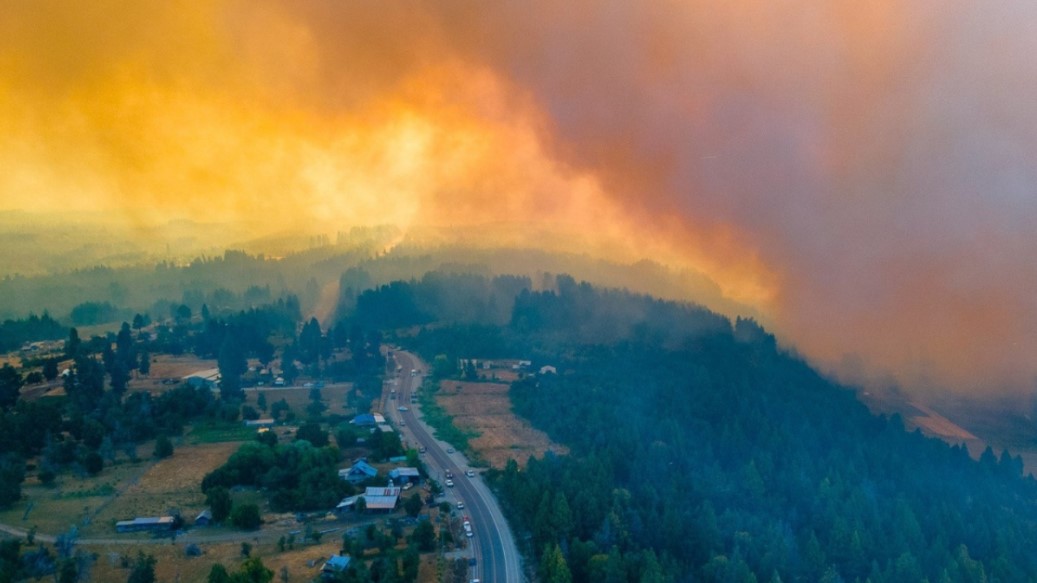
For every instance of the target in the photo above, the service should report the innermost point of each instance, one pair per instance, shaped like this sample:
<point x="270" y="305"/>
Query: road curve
<point x="494" y="544"/>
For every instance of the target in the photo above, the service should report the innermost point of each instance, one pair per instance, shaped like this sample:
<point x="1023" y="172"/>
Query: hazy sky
<point x="864" y="173"/>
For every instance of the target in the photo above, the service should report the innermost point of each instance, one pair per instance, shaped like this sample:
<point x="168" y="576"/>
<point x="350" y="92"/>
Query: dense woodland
<point x="701" y="450"/>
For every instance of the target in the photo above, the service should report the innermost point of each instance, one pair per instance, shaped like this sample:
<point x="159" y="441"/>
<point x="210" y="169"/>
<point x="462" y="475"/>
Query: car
<point x="470" y="473"/>
<point x="460" y="505"/>
<point x="403" y="423"/>
<point x="449" y="483"/>
<point x="450" y="450"/>
<point x="402" y="408"/>
<point x="422" y="449"/>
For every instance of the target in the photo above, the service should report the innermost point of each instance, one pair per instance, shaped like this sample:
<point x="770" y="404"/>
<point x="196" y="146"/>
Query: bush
<point x="246" y="517"/>
<point x="92" y="463"/>
<point x="163" y="447"/>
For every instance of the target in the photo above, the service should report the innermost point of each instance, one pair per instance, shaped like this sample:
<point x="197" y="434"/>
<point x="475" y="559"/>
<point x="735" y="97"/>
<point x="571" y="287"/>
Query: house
<point x="386" y="428"/>
<point x="336" y="564"/>
<point x="376" y="499"/>
<point x="358" y="472"/>
<point x="402" y="475"/>
<point x="204" y="519"/>
<point x="145" y="524"/>
<point x="382" y="498"/>
<point x="368" y="420"/>
<point x="209" y="379"/>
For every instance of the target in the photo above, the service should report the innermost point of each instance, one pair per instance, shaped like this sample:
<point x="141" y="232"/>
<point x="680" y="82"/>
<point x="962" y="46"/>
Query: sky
<point x="861" y="173"/>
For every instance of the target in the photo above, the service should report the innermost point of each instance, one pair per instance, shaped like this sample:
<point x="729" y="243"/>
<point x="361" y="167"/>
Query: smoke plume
<point x="862" y="173"/>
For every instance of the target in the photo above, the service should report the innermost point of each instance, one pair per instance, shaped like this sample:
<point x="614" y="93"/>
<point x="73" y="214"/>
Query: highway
<point x="494" y="545"/>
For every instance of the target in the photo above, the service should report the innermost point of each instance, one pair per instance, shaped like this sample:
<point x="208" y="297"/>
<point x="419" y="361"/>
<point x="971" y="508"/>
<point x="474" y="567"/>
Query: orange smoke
<point x="858" y="173"/>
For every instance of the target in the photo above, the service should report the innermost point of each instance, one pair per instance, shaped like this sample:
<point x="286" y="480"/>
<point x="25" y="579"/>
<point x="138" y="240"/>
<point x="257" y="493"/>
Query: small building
<point x="382" y="498"/>
<point x="403" y="475"/>
<point x="336" y="564"/>
<point x="548" y="369"/>
<point x="145" y="524"/>
<point x="386" y="428"/>
<point x="209" y="379"/>
<point x="266" y="422"/>
<point x="358" y="472"/>
<point x="346" y="505"/>
<point x="368" y="420"/>
<point x="204" y="519"/>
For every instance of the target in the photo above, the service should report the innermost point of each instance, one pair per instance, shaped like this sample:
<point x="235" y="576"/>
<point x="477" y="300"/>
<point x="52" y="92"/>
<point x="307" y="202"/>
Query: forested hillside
<point x="701" y="450"/>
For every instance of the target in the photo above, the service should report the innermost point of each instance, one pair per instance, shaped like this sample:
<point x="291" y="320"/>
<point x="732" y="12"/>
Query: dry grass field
<point x="164" y="366"/>
<point x="333" y="395"/>
<point x="486" y="409"/>
<point x="71" y="500"/>
<point x="303" y="562"/>
<point x="172" y="483"/>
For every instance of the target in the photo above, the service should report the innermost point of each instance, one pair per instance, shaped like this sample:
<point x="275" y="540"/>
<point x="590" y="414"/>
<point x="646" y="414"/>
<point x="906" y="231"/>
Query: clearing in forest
<point x="485" y="408"/>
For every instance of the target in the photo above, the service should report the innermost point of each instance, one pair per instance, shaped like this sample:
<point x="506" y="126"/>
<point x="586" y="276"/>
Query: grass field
<point x="219" y="432"/>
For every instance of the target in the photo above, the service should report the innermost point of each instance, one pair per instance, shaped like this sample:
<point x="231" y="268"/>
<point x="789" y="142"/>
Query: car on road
<point x="470" y="473"/>
<point x="450" y="450"/>
<point x="422" y="449"/>
<point x="403" y="423"/>
<point x="460" y="505"/>
<point x="402" y="408"/>
<point x="449" y="483"/>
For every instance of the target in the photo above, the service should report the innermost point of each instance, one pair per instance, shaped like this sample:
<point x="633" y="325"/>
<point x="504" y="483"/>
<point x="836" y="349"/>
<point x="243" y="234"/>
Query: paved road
<point x="494" y="545"/>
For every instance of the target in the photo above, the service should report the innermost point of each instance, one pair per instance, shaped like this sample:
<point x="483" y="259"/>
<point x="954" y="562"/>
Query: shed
<point x="400" y="475"/>
<point x="204" y="519"/>
<point x="334" y="565"/>
<point x="208" y="378"/>
<point x="266" y="422"/>
<point x="368" y="420"/>
<point x="145" y="523"/>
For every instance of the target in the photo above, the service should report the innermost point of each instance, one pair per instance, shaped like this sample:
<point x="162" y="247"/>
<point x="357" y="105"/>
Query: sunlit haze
<point x="861" y="174"/>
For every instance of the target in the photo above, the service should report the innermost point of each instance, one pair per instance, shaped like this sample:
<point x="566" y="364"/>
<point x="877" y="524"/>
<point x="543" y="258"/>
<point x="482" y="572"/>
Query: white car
<point x="449" y="483"/>
<point x="460" y="505"/>
<point x="470" y="473"/>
